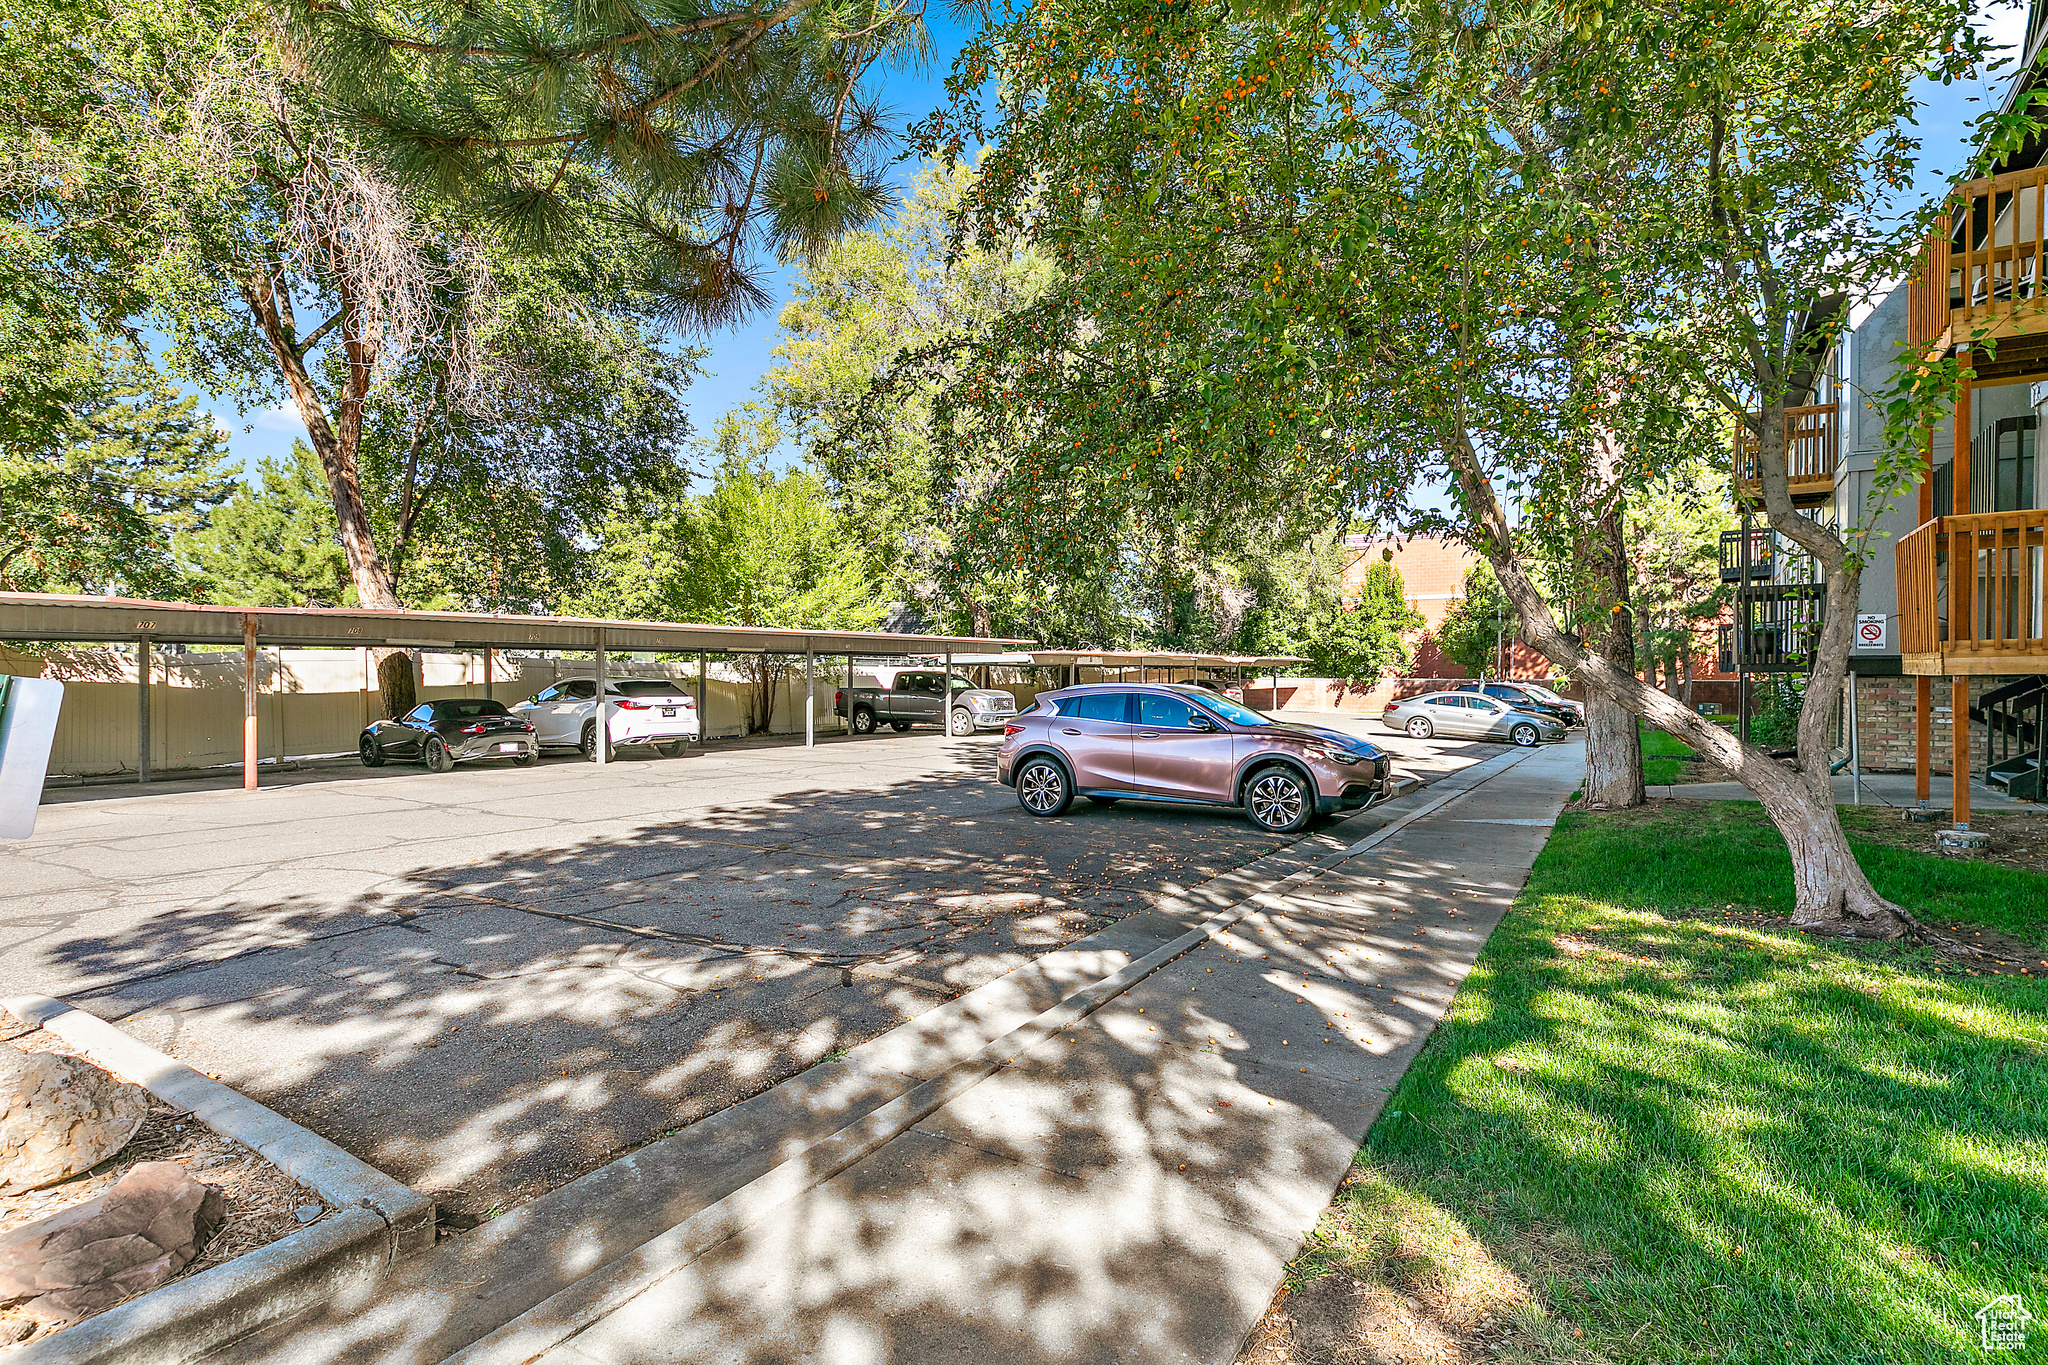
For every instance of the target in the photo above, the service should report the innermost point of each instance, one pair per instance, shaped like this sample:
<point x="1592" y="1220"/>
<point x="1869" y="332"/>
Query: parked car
<point x="651" y="711"/>
<point x="444" y="733"/>
<point x="1575" y="709"/>
<point x="1184" y="745"/>
<point x="1528" y="697"/>
<point x="919" y="696"/>
<point x="1469" y="715"/>
<point x="1225" y="687"/>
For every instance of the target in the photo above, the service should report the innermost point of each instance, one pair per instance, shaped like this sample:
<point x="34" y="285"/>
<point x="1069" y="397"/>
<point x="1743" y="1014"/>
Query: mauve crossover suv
<point x="1185" y="745"/>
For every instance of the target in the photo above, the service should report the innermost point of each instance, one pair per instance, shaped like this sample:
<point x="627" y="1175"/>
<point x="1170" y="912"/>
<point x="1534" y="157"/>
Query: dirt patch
<point x="2002" y="954"/>
<point x="263" y="1203"/>
<point x="1391" y="1278"/>
<point x="2018" y="838"/>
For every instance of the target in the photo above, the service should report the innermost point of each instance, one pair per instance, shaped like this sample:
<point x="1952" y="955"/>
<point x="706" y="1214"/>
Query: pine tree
<point x="715" y="136"/>
<point x="273" y="545"/>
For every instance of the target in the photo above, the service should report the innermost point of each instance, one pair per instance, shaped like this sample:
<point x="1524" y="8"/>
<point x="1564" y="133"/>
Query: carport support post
<point x="142" y="670"/>
<point x="248" y="703"/>
<point x="946" y="691"/>
<point x="810" y="699"/>
<point x="846" y="721"/>
<point x="490" y="663"/>
<point x="604" y="720"/>
<point x="703" y="719"/>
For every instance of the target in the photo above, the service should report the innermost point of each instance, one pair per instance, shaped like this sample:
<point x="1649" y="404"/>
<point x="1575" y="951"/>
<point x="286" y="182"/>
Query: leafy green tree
<point x="1471" y="632"/>
<point x="1674" y="528"/>
<point x="1315" y="258"/>
<point x="760" y="548"/>
<point x="280" y="259"/>
<point x="273" y="544"/>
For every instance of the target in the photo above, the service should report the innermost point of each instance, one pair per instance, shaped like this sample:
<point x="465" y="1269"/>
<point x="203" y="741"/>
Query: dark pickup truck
<point x="914" y="696"/>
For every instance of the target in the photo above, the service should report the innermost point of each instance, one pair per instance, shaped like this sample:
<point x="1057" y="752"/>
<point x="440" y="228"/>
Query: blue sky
<point x="739" y="356"/>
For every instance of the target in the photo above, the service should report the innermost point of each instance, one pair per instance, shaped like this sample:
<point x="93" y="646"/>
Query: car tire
<point x="1420" y="728"/>
<point x="1043" y="789"/>
<point x="1279" y="800"/>
<point x="527" y="759"/>
<point x="1525" y="736"/>
<point x="669" y="748"/>
<point x="439" y="760"/>
<point x="373" y="756"/>
<point x="899" y="726"/>
<point x="963" y="721"/>
<point x="587" y="745"/>
<point x="863" y="720"/>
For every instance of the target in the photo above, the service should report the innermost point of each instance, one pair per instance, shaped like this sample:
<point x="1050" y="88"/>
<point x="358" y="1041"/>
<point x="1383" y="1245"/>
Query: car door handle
<point x="1070" y="732"/>
<point x="1148" y="734"/>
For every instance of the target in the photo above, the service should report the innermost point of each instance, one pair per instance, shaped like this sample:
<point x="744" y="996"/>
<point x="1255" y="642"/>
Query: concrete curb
<point x="378" y="1219"/>
<point x="609" y="1287"/>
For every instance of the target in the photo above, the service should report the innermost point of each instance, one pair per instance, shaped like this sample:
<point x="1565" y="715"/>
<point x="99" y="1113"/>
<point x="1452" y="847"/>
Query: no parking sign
<point x="1870" y="631"/>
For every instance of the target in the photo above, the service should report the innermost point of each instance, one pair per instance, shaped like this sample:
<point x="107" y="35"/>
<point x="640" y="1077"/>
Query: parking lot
<point x="488" y="981"/>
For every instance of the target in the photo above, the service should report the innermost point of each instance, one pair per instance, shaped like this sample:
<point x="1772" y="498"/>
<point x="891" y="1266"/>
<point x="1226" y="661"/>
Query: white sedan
<point x="638" y="710"/>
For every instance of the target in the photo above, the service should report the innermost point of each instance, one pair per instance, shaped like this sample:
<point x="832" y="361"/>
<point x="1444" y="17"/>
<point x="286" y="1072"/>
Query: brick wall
<point x="1884" y="723"/>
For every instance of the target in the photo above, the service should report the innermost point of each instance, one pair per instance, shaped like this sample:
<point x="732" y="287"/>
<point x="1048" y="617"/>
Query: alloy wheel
<point x="1524" y="735"/>
<point x="1276" y="800"/>
<point x="1040" y="787"/>
<point x="1420" y="728"/>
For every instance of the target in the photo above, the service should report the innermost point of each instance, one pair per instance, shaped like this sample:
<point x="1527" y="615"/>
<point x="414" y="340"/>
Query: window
<point x="1446" y="701"/>
<point x="1486" y="704"/>
<point x="552" y="694"/>
<point x="583" y="689"/>
<point x="467" y="709"/>
<point x="1168" y="713"/>
<point x="644" y="688"/>
<point x="1234" y="712"/>
<point x="1103" y="706"/>
<point x="419" y="715"/>
<point x="2012" y="464"/>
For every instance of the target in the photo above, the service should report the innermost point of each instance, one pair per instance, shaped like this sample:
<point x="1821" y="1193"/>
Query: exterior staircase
<point x="2015" y="717"/>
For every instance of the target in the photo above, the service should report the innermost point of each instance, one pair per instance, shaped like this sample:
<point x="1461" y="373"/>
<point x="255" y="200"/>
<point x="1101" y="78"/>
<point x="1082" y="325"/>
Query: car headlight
<point x="1334" y="755"/>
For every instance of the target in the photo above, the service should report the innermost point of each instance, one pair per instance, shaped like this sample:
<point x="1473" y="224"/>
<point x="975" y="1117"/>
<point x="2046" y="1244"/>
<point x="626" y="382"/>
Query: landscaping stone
<point x="60" y="1115"/>
<point x="130" y="1239"/>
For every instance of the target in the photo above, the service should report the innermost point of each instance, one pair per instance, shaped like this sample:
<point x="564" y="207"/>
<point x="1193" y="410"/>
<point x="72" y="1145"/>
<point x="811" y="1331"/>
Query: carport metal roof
<point x="54" y="617"/>
<point x="1111" y="658"/>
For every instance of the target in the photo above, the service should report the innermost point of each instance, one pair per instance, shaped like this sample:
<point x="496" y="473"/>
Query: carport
<point x="56" y="618"/>
<point x="1073" y="661"/>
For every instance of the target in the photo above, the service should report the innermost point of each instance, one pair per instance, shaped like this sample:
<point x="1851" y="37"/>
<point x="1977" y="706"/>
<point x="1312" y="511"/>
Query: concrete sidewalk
<point x="1877" y="789"/>
<point x="1129" y="1188"/>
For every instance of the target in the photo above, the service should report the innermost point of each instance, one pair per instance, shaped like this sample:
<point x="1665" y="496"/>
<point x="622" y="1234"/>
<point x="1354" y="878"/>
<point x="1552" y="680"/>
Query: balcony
<point x="1812" y="445"/>
<point x="1986" y="619"/>
<point x="1981" y="270"/>
<point x="1757" y="564"/>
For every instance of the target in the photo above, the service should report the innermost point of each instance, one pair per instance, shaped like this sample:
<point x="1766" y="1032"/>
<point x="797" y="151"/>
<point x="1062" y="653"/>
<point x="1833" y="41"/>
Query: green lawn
<point x="1658" y="1126"/>
<point x="1661" y="756"/>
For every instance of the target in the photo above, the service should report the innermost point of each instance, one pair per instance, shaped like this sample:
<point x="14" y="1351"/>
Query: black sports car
<point x="443" y="733"/>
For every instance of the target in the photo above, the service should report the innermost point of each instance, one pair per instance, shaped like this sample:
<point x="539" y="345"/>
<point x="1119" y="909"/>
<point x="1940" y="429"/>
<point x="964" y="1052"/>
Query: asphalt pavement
<point x="490" y="981"/>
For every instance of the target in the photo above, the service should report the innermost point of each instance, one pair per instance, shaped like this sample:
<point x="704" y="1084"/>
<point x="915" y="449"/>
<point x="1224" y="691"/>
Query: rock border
<point x="378" y="1220"/>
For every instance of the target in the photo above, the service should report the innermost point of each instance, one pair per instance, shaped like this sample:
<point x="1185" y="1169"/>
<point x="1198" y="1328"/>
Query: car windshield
<point x="1540" y="693"/>
<point x="1234" y="712"/>
<point x="645" y="689"/>
<point x="467" y="709"/>
<point x="961" y="684"/>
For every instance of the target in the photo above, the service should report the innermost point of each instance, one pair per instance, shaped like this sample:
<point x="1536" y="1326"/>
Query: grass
<point x="1662" y="756"/>
<point x="1657" y="1125"/>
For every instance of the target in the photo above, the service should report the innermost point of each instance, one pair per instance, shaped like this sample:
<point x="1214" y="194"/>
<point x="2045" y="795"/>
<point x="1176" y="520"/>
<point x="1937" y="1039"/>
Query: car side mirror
<point x="1200" y="722"/>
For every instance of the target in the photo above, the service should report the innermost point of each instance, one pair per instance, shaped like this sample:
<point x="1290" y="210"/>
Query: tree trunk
<point x="1831" y="894"/>
<point x="1614" y="742"/>
<point x="374" y="586"/>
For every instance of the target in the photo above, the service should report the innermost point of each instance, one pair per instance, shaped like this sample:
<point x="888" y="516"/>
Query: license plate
<point x="508" y="748"/>
<point x="668" y="711"/>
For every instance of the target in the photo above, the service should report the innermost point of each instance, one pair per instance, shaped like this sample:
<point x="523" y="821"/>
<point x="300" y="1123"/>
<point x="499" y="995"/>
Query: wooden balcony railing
<point x="1982" y="267"/>
<point x="1812" y="446"/>
<point x="1970" y="594"/>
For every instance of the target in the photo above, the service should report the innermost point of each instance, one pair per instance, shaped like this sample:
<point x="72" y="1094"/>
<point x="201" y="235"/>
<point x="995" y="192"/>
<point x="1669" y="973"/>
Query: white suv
<point x="639" y="710"/>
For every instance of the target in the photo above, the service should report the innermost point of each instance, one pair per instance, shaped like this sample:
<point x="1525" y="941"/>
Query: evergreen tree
<point x="273" y="544"/>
